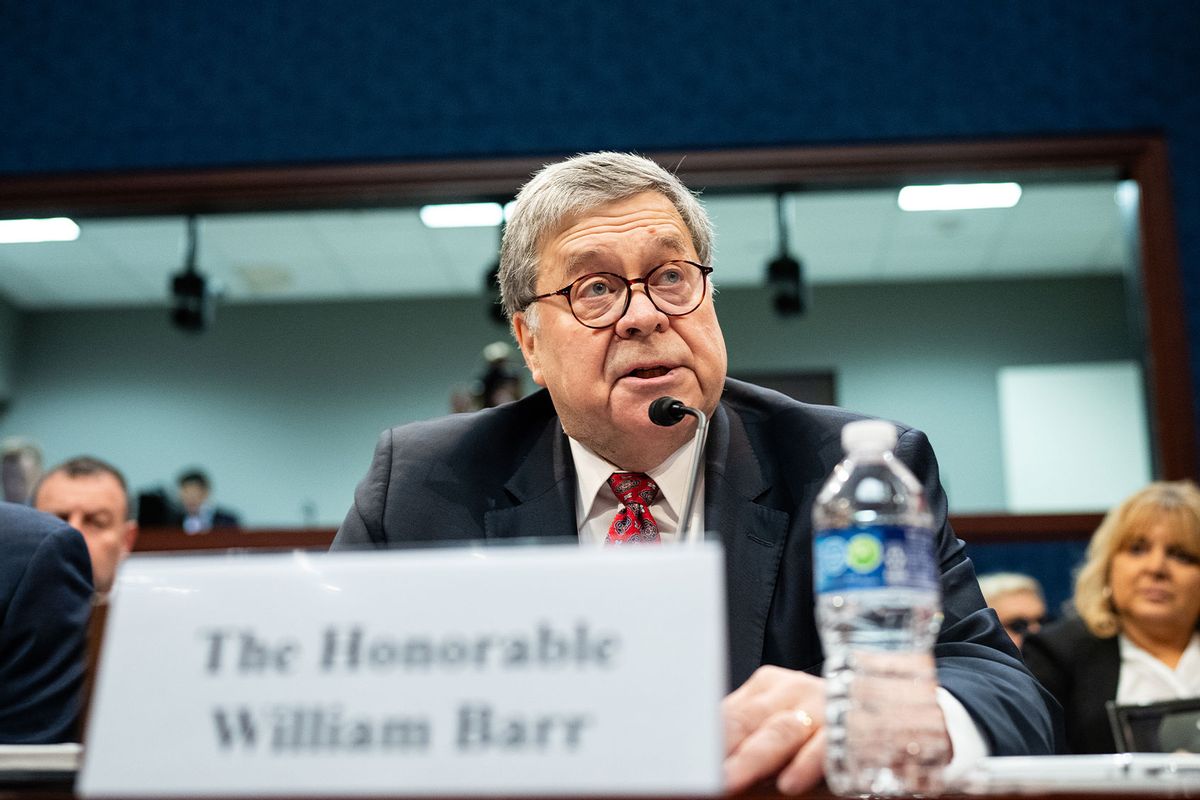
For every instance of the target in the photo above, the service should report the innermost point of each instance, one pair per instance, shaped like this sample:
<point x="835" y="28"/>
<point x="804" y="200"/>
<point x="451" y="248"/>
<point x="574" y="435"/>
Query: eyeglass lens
<point x="600" y="299"/>
<point x="1022" y="625"/>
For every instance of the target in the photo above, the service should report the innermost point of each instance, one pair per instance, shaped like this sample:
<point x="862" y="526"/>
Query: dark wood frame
<point x="1141" y="157"/>
<point x="976" y="528"/>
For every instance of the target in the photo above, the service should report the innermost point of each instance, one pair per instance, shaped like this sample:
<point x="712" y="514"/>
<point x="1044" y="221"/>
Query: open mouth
<point x="649" y="372"/>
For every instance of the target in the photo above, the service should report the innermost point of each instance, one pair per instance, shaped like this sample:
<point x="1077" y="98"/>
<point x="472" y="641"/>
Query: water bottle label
<point x="875" y="557"/>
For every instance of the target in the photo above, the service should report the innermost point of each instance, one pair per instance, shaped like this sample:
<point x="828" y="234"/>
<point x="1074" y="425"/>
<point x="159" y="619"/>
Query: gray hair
<point x="16" y="446"/>
<point x="577" y="186"/>
<point x="998" y="584"/>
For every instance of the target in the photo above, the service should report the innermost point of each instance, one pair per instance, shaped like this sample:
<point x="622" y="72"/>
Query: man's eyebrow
<point x="671" y="243"/>
<point x="668" y="245"/>
<point x="580" y="263"/>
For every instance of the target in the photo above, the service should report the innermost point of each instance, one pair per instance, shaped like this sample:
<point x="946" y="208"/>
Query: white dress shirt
<point x="596" y="505"/>
<point x="1145" y="679"/>
<point x="201" y="521"/>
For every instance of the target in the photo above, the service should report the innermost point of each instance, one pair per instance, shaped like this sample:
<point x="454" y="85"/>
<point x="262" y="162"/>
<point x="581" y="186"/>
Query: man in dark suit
<point x="198" y="514"/>
<point x="45" y="602"/>
<point x="604" y="277"/>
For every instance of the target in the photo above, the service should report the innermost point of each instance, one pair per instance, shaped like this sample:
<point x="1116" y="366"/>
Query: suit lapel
<point x="753" y="534"/>
<point x="542" y="489"/>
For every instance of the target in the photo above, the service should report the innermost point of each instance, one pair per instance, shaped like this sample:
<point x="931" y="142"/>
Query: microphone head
<point x="667" y="411"/>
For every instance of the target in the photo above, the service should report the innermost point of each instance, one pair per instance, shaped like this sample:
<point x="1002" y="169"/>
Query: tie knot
<point x="633" y="488"/>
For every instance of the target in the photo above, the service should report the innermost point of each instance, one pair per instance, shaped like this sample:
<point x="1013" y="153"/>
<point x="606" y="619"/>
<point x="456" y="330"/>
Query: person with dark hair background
<point x="199" y="513"/>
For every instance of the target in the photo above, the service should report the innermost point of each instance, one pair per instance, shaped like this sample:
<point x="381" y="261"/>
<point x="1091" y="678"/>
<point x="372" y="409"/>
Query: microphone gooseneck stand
<point x="668" y="411"/>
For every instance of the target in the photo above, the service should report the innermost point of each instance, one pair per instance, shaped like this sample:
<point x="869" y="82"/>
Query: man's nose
<point x="641" y="317"/>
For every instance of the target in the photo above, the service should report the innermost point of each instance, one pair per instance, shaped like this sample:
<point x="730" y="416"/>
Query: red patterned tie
<point x="633" y="522"/>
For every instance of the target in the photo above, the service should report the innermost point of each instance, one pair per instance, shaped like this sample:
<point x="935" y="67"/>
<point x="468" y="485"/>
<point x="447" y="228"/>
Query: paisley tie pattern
<point x="633" y="522"/>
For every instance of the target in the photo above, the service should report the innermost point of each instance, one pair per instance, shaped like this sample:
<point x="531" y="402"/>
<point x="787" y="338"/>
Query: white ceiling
<point x="841" y="236"/>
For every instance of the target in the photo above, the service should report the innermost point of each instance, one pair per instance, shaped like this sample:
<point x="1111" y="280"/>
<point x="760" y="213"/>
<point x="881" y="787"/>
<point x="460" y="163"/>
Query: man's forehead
<point x="662" y="242"/>
<point x="648" y="218"/>
<point x="1021" y="595"/>
<point x="99" y="487"/>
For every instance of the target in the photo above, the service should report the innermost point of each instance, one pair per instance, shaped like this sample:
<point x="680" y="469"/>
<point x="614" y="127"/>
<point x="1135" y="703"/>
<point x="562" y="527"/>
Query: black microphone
<point x="668" y="411"/>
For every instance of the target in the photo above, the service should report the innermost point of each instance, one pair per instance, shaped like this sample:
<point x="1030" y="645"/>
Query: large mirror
<point x="1031" y="341"/>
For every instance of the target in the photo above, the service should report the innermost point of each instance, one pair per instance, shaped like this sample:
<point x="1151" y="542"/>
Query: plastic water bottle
<point x="879" y="610"/>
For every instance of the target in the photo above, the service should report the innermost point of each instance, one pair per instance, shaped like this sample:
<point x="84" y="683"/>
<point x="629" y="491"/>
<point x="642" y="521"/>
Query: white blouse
<point x="1145" y="679"/>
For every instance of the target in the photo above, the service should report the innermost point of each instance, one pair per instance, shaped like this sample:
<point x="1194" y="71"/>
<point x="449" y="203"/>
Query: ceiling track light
<point x="785" y="274"/>
<point x="491" y="279"/>
<point x="193" y="301"/>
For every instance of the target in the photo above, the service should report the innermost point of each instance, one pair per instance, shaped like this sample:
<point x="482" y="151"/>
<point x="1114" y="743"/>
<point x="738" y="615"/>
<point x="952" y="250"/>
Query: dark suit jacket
<point x="225" y="519"/>
<point x="45" y="601"/>
<point x="508" y="472"/>
<point x="221" y="519"/>
<point x="1081" y="671"/>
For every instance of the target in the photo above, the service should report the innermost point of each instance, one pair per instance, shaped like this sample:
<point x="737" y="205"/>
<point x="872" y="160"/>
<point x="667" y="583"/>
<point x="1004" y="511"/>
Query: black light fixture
<point x="785" y="274"/>
<point x="192" y="300"/>
<point x="491" y="285"/>
<point x="491" y="288"/>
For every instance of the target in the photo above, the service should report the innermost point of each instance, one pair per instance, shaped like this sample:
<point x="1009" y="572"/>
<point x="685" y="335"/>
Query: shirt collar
<point x="1131" y="652"/>
<point x="592" y="472"/>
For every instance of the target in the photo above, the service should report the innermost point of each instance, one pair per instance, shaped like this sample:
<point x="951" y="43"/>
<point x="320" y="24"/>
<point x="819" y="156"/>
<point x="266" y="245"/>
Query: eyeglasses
<point x="1024" y="625"/>
<point x="599" y="299"/>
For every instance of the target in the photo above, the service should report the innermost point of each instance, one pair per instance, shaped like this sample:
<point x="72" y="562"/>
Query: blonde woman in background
<point x="1137" y="600"/>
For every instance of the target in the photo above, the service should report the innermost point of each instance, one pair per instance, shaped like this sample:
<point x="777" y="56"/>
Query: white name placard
<point x="503" y="671"/>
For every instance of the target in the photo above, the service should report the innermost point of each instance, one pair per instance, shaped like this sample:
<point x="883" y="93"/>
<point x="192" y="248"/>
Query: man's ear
<point x="527" y="341"/>
<point x="131" y="534"/>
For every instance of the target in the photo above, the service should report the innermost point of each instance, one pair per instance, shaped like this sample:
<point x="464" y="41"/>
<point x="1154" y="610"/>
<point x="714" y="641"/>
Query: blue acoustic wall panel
<point x="116" y="85"/>
<point x="1053" y="564"/>
<point x="148" y="84"/>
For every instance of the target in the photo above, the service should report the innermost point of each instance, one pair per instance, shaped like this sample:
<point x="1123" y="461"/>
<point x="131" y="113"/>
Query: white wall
<point x="928" y="355"/>
<point x="282" y="404"/>
<point x="1075" y="435"/>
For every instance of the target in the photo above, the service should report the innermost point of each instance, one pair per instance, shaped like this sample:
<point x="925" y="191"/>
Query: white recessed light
<point x="55" y="229"/>
<point x="462" y="215"/>
<point x="959" y="196"/>
<point x="1127" y="195"/>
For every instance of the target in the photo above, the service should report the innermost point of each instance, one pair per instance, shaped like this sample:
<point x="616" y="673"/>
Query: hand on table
<point x="774" y="723"/>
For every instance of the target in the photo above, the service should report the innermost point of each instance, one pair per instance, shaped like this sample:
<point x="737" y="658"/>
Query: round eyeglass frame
<point x="629" y="282"/>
